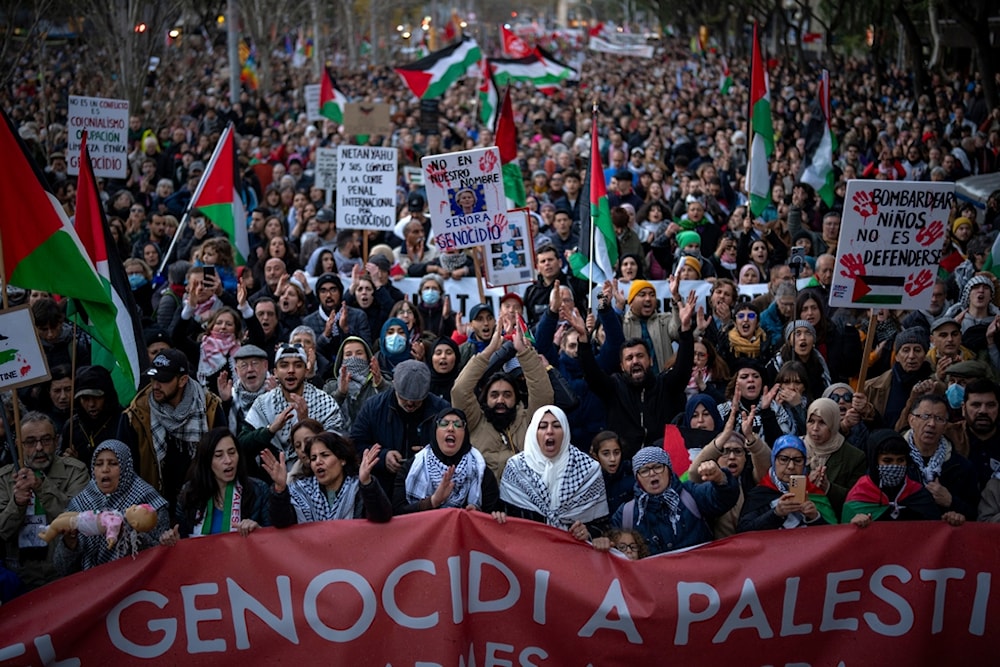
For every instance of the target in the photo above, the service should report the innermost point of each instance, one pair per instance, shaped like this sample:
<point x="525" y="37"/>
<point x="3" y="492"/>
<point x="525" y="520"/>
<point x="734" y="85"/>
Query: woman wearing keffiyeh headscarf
<point x="448" y="472"/>
<point x="553" y="482"/>
<point x="671" y="514"/>
<point x="113" y="486"/>
<point x="337" y="488"/>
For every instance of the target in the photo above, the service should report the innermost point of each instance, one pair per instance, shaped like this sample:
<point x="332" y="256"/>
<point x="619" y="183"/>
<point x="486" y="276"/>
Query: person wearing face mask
<point x="434" y="307"/>
<point x="394" y="345"/>
<point x="140" y="282"/>
<point x="886" y="493"/>
<point x="356" y="378"/>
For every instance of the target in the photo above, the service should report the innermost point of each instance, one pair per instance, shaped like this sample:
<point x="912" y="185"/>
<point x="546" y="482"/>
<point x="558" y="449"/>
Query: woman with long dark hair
<point x="219" y="497"/>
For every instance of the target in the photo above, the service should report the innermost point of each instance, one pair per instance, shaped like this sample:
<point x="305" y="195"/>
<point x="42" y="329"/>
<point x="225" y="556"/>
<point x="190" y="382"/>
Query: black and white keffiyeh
<point x="932" y="469"/>
<point x="312" y="503"/>
<point x="781" y="414"/>
<point x="564" y="489"/>
<point x="322" y="407"/>
<point x="427" y="470"/>
<point x="670" y="498"/>
<point x="185" y="422"/>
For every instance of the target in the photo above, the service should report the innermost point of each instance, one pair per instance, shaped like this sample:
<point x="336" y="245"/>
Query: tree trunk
<point x="915" y="49"/>
<point x="976" y="24"/>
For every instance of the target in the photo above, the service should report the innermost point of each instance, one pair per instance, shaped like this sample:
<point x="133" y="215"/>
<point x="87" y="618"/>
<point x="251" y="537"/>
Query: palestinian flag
<point x="430" y="77"/>
<point x="814" y="494"/>
<point x="116" y="341"/>
<point x="726" y="79"/>
<point x="41" y="250"/>
<point x="820" y="145"/>
<point x="538" y="69"/>
<point x="512" y="45"/>
<point x="488" y="97"/>
<point x="762" y="131"/>
<point x="505" y="139"/>
<point x="220" y="195"/>
<point x="992" y="263"/>
<point x="331" y="99"/>
<point x="598" y="253"/>
<point x="867" y="498"/>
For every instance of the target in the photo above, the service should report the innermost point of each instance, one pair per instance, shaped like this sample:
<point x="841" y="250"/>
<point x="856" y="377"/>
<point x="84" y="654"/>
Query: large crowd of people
<point x="306" y="386"/>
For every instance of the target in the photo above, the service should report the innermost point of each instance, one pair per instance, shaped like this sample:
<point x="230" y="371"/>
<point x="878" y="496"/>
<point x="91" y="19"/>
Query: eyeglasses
<point x="927" y="417"/>
<point x="733" y="451"/>
<point x="44" y="441"/>
<point x="627" y="548"/>
<point x="789" y="460"/>
<point x="137" y="210"/>
<point x="650" y="470"/>
<point x="445" y="423"/>
<point x="846" y="396"/>
<point x="746" y="315"/>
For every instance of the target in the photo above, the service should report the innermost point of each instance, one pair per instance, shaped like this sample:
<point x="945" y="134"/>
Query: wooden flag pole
<point x="869" y="343"/>
<point x="477" y="257"/>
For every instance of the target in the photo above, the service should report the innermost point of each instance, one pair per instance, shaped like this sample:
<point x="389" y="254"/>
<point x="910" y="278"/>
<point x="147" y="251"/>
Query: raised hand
<point x="368" y="461"/>
<point x="343" y="381"/>
<point x="444" y="488"/>
<point x="376" y="371"/>
<point x="275" y="468"/>
<point x="555" y="297"/>
<point x="765" y="401"/>
<point x="169" y="538"/>
<point x="686" y="311"/>
<point x="225" y="385"/>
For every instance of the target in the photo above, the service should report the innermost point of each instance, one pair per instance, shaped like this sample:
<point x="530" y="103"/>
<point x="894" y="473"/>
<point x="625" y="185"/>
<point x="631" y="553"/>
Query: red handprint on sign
<point x="917" y="284"/>
<point x="487" y="162"/>
<point x="931" y="233"/>
<point x="853" y="266"/>
<point x="864" y="205"/>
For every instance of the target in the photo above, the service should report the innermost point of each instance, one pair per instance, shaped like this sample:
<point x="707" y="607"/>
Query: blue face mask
<point x="394" y="343"/>
<point x="136" y="280"/>
<point x="430" y="296"/>
<point x="955" y="395"/>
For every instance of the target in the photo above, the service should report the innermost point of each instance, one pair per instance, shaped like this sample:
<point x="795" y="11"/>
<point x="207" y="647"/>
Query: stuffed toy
<point x="142" y="519"/>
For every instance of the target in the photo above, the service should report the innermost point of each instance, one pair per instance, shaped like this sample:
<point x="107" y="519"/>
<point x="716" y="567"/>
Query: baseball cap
<point x="167" y="365"/>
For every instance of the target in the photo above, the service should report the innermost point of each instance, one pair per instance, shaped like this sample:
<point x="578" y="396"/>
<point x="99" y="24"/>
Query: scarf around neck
<point x="187" y="422"/>
<point x="232" y="506"/>
<point x="427" y="470"/>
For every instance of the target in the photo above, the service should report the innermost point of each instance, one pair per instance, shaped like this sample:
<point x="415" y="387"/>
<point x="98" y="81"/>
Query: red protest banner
<point x="453" y="588"/>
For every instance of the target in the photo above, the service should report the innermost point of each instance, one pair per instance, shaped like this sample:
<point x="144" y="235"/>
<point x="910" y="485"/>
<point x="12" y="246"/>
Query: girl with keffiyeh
<point x="336" y="486"/>
<point x="113" y="486"/>
<point x="448" y="472"/>
<point x="219" y="496"/>
<point x="553" y="482"/>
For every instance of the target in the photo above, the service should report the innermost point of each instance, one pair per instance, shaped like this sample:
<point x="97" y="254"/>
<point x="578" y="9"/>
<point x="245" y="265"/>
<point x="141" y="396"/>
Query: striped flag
<point x="116" y="341"/>
<point x="992" y="263"/>
<point x="430" y="77"/>
<point x="820" y="145"/>
<point x="597" y="231"/>
<point x="726" y="79"/>
<point x="331" y="99"/>
<point x="512" y="45"/>
<point x="220" y="195"/>
<point x="539" y="69"/>
<point x="505" y="139"/>
<point x="488" y="97"/>
<point x="762" y="131"/>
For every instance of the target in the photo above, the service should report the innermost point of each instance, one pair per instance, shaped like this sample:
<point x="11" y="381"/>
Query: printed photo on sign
<point x="891" y="238"/>
<point x="466" y="197"/>
<point x="509" y="260"/>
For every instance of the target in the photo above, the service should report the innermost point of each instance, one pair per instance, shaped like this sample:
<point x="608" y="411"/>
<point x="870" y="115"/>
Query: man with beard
<point x="980" y="409"/>
<point x="642" y="320"/>
<point x="252" y="381"/>
<point x="401" y="420"/>
<point x="165" y="422"/>
<point x="334" y="320"/>
<point x="96" y="414"/>
<point x="274" y="413"/>
<point x="33" y="495"/>
<point x="496" y="424"/>
<point x="948" y="476"/>
<point x="640" y="402"/>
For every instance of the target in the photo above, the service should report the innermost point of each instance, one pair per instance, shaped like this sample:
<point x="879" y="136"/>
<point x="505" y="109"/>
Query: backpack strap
<point x="628" y="515"/>
<point x="690" y="503"/>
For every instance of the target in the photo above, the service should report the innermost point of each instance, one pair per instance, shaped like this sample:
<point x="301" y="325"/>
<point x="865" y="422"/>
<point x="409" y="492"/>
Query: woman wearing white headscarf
<point x="552" y="481"/>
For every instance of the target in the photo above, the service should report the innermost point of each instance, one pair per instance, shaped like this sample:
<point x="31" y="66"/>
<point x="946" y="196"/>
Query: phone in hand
<point x="210" y="271"/>
<point x="797" y="485"/>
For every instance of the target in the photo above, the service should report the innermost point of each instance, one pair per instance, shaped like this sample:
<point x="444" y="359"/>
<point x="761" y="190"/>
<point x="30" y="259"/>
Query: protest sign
<point x="367" y="118"/>
<point x="22" y="361"/>
<point x="366" y="187"/>
<point x="618" y="49"/>
<point x="106" y="123"/>
<point x="510" y="260"/>
<point x="326" y="169"/>
<point x="891" y="237"/>
<point x="466" y="197"/>
<point x="451" y="587"/>
<point x="312" y="93"/>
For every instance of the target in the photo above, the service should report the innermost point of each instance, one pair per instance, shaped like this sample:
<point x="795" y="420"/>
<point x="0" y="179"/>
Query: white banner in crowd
<point x="366" y="187"/>
<point x="106" y="123"/>
<point x="312" y="93"/>
<point x="466" y="197"/>
<point x="637" y="50"/>
<point x="326" y="169"/>
<point x="22" y="360"/>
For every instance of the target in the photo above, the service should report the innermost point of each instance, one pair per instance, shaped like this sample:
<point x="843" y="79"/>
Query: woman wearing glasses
<point x="745" y="456"/>
<point x="771" y="504"/>
<point x="671" y="514"/>
<point x="449" y="472"/>
<point x="745" y="338"/>
<point x="336" y="486"/>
